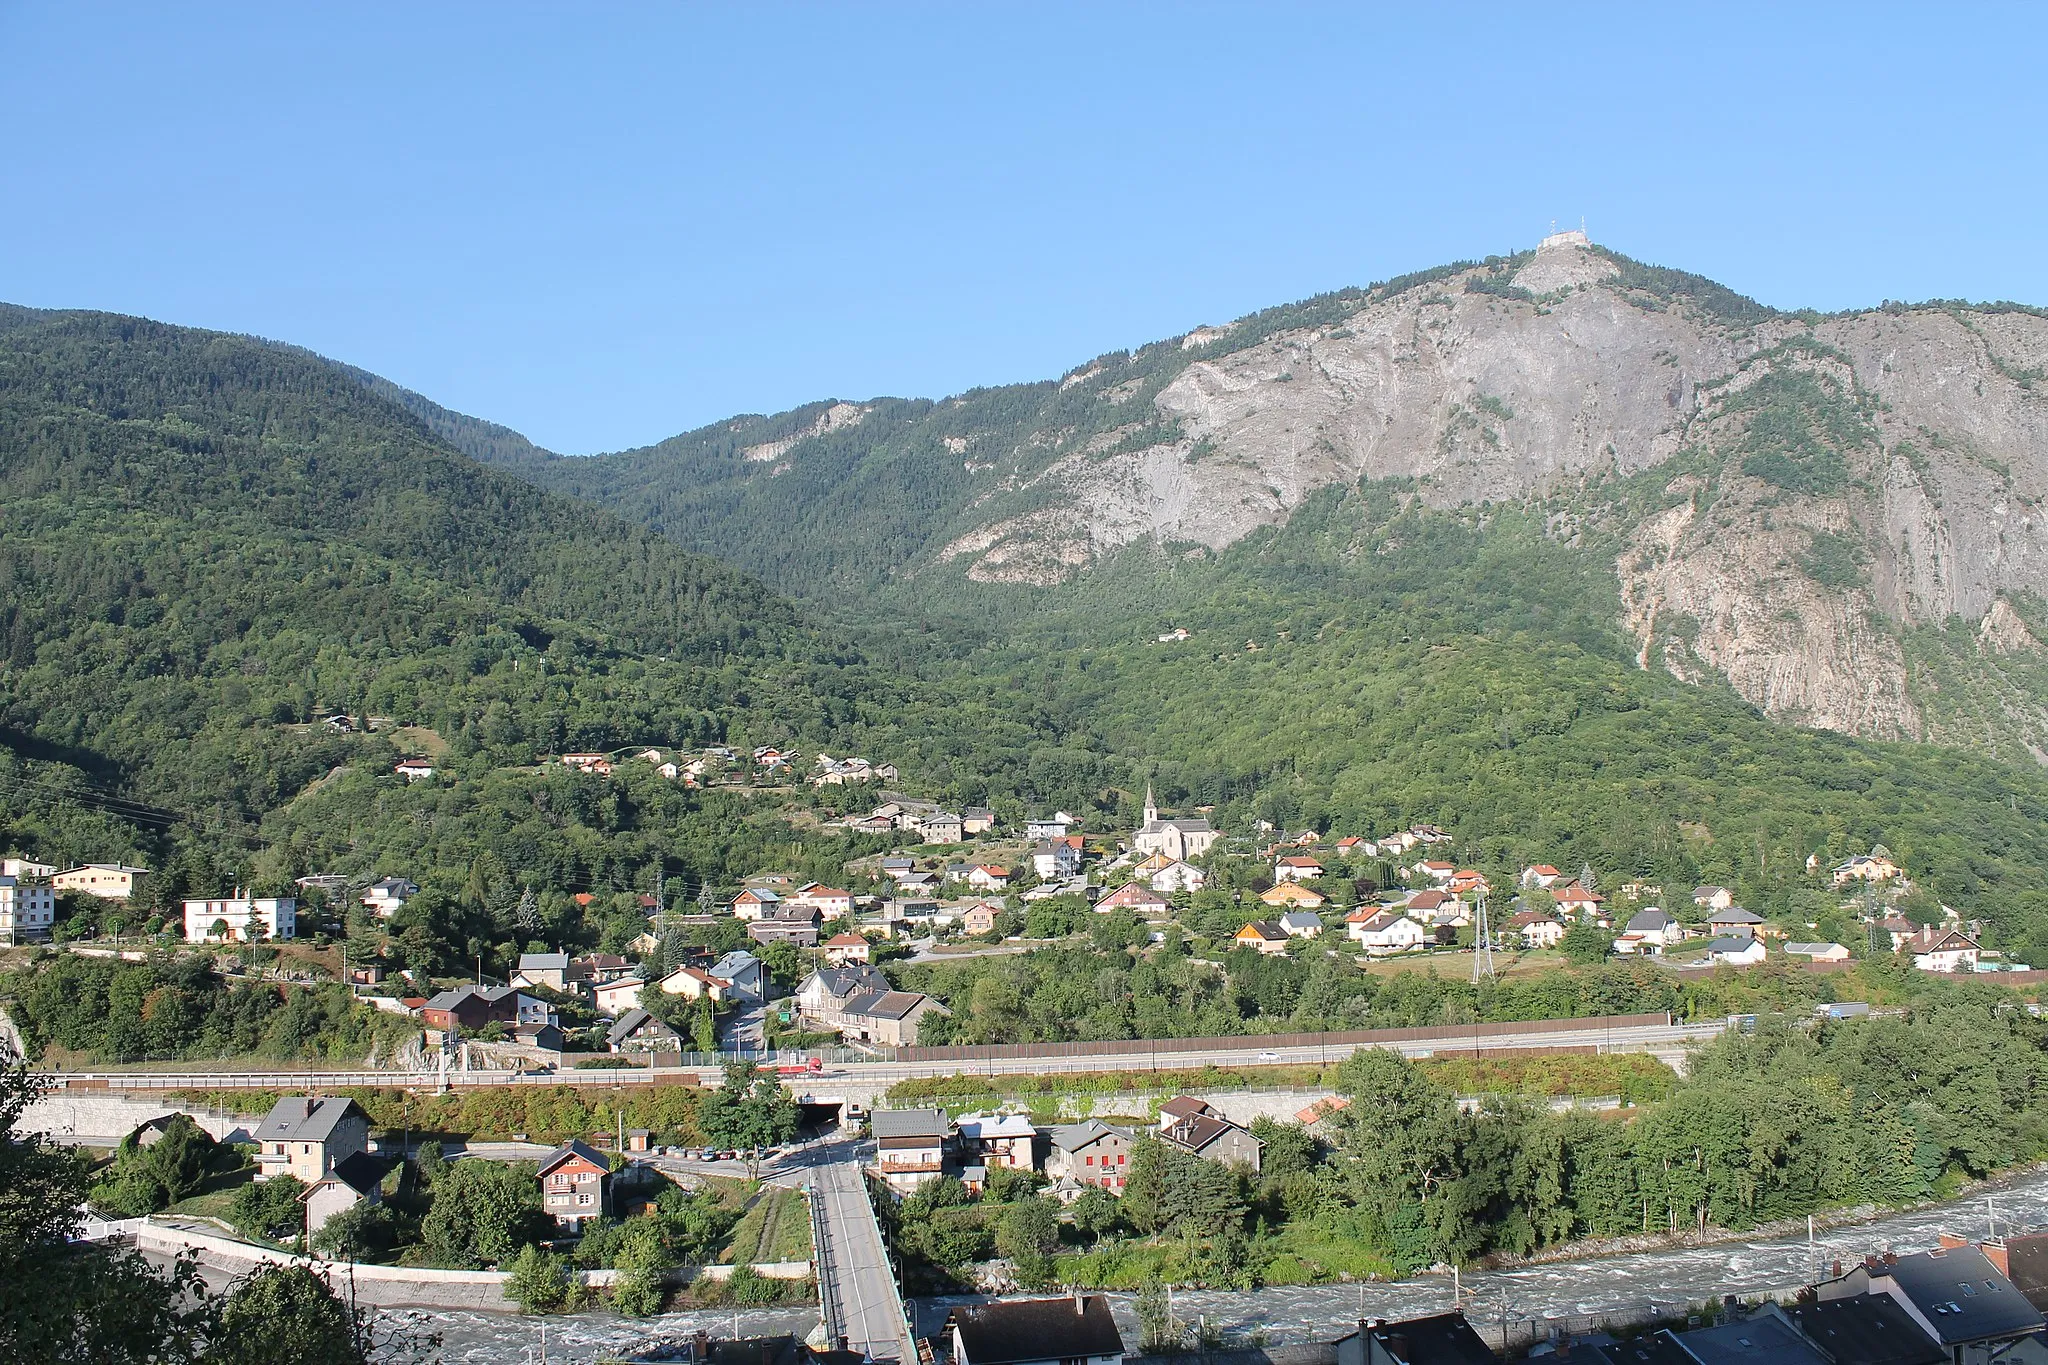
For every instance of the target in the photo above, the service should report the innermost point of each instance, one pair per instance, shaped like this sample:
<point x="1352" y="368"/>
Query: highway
<point x="1666" y="1040"/>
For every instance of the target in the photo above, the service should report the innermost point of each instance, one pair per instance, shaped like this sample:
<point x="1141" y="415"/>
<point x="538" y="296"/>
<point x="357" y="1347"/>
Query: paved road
<point x="854" y="1275"/>
<point x="1664" y="1040"/>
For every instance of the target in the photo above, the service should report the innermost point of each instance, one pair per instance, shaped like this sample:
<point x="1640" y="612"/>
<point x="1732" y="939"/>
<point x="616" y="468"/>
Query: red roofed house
<point x="832" y="903"/>
<point x="841" y="949"/>
<point x="988" y="877"/>
<point x="1577" y="901"/>
<point x="1437" y="870"/>
<point x="1133" y="896"/>
<point x="1541" y="875"/>
<point x="1536" y="929"/>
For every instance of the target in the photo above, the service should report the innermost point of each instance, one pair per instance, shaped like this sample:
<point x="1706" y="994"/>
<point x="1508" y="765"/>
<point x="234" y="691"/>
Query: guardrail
<point x="821" y="1253"/>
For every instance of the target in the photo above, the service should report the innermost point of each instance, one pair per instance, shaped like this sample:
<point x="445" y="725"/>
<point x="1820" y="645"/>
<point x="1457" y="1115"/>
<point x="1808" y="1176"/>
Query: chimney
<point x="1080" y="1310"/>
<point x="1948" y="1241"/>
<point x="1995" y="1253"/>
<point x="1891" y="1258"/>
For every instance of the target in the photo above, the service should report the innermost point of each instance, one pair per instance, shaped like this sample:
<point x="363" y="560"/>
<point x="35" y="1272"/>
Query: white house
<point x="387" y="897"/>
<point x="1056" y="859"/>
<point x="1537" y="929"/>
<point x="1736" y="952"/>
<point x="1385" y="932"/>
<point x="27" y="910"/>
<point x="1939" y="949"/>
<point x="1054" y="826"/>
<point x="240" y="918"/>
<point x="1818" y="952"/>
<point x="1540" y="876"/>
<point x="1302" y="924"/>
<point x="1171" y="875"/>
<point x="1649" y="932"/>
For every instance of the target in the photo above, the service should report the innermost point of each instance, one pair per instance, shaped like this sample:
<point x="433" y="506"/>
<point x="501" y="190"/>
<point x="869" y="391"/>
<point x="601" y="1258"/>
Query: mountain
<point x="1840" y="515"/>
<point x="212" y="541"/>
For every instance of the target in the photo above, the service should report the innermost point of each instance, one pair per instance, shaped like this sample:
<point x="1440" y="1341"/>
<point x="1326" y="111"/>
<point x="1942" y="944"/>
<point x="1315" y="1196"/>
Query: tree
<point x="749" y="1111"/>
<point x="355" y="1233"/>
<point x="1096" y="1213"/>
<point x="540" y="1281"/>
<point x="1028" y="1233"/>
<point x="270" y="1209"/>
<point x="483" y="1213"/>
<point x="286" y="1312"/>
<point x="1585" y="944"/>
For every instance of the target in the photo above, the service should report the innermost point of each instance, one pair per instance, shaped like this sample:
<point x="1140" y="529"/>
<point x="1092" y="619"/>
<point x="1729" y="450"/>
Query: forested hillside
<point x="211" y="541"/>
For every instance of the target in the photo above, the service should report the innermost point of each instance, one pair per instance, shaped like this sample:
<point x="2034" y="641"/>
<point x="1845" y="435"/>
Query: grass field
<point x="776" y="1228"/>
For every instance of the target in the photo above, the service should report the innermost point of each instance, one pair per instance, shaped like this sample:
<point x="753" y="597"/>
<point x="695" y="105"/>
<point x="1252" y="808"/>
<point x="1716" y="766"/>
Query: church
<point x="1182" y="839"/>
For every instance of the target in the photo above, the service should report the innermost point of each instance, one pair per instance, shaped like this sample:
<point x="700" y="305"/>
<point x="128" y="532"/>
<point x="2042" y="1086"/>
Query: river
<point x="1670" y="1277"/>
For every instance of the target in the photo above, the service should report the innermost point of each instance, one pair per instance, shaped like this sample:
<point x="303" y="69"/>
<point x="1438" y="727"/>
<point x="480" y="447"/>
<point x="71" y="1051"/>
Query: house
<point x="1735" y="922"/>
<point x="1168" y="875"/>
<point x="27" y="869"/>
<point x="639" y="1031"/>
<point x="1353" y="846"/>
<point x="306" y="1136"/>
<point x="1954" y="1294"/>
<point x="1870" y="1329"/>
<point x="1055" y="859"/>
<point x="356" y="1179"/>
<point x="988" y="877"/>
<point x="1136" y="897"/>
<point x="1302" y="924"/>
<point x="601" y="764"/>
<point x="1436" y="870"/>
<point x="842" y="949"/>
<point x="575" y="1185"/>
<point x="1179" y="838"/>
<point x="910" y="1146"/>
<point x="1937" y="948"/>
<point x="240" y="918"/>
<point x="1293" y="894"/>
<point x="1384" y="932"/>
<point x="694" y="983"/>
<point x="821" y="999"/>
<point x="27" y="910"/>
<point x="2024" y="1261"/>
<point x="1210" y="1136"/>
<point x="1424" y="906"/>
<point x="748" y="977"/>
<point x="1467" y="881"/>
<point x="1296" y="867"/>
<point x="980" y="918"/>
<point x="1536" y="929"/>
<point x="109" y="881"/>
<point x="941" y="827"/>
<point x="590" y="969"/>
<point x="868" y="824"/>
<point x="1766" y="1336"/>
<point x="1539" y="877"/>
<point x="1264" y="936"/>
<point x="797" y="924"/>
<point x="1064" y="1331"/>
<point x="1579" y="903"/>
<point x="1649" y="932"/>
<point x="1054" y="826"/>
<point x="1818" y="952"/>
<point x="1712" y="897"/>
<point x="543" y="969"/>
<point x="1007" y="1140"/>
<point x="1441" y="1339"/>
<point x="414" y="769"/>
<point x="755" y="903"/>
<point x="471" y="1007"/>
<point x="614" y="998"/>
<point x="1875" y="866"/>
<point x="887" y="1018"/>
<point x="831" y="902"/>
<point x="1091" y="1152"/>
<point x="542" y="1035"/>
<point x="1738" y="951"/>
<point x="388" y="895"/>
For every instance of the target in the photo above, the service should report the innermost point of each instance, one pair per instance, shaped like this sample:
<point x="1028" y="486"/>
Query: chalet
<point x="1136" y="897"/>
<point x="1937" y="948"/>
<point x="1179" y="838"/>
<point x="988" y="877"/>
<point x="1302" y="924"/>
<point x="771" y="758"/>
<point x="910" y="1146"/>
<point x="1436" y="870"/>
<point x="1385" y="932"/>
<point x="1091" y="1152"/>
<point x="307" y="1137"/>
<point x="356" y="1179"/>
<point x="1006" y="1140"/>
<point x="1353" y="846"/>
<point x="600" y="764"/>
<point x="1293" y="894"/>
<point x="1424" y="906"/>
<point x="695" y="983"/>
<point x="1213" y="1138"/>
<point x="1736" y="951"/>
<point x="1712" y="897"/>
<point x="844" y="949"/>
<point x="1466" y="881"/>
<point x="1064" y="1331"/>
<point x="821" y="999"/>
<point x="830" y="901"/>
<point x="639" y="1031"/>
<point x="1263" y="936"/>
<point x="575" y="1185"/>
<point x="1579" y="903"/>
<point x="1536" y="929"/>
<point x="976" y="821"/>
<point x="755" y="903"/>
<point x="1649" y="932"/>
<point x="1539" y="876"/>
<point x="1734" y="922"/>
<point x="240" y="918"/>
<point x="888" y="1018"/>
<point x="614" y="998"/>
<point x="592" y="969"/>
<point x="1296" y="867"/>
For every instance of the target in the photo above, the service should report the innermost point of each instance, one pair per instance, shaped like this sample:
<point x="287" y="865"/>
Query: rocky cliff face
<point x="1836" y="483"/>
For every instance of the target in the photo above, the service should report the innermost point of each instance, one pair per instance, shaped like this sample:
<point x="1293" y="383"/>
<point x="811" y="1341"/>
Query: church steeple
<point x="1151" y="806"/>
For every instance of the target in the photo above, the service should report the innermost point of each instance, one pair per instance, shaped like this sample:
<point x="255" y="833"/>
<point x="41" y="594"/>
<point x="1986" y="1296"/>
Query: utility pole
<point x="1482" y="945"/>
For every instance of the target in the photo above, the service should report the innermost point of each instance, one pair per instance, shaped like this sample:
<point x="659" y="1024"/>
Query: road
<point x="1668" y="1041"/>
<point x="855" y="1280"/>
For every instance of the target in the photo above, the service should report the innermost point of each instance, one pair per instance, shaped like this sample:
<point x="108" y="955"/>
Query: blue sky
<point x="606" y="224"/>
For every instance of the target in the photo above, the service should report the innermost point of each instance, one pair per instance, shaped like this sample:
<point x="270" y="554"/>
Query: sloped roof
<point x="1870" y="1329"/>
<point x="1648" y="922"/>
<point x="359" y="1171"/>
<point x="304" y="1118"/>
<point x="572" y="1148"/>
<point x="1182" y="1106"/>
<point x="543" y="962"/>
<point x="1963" y="1295"/>
<point x="629" y="1024"/>
<point x="1007" y="1332"/>
<point x="886" y="1004"/>
<point x="908" y="1123"/>
<point x="1073" y="1137"/>
<point x="1735" y="914"/>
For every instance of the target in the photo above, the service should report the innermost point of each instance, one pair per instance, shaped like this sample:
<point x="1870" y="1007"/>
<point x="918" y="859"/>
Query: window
<point x="1091" y="1161"/>
<point x="583" y="1199"/>
<point x="1122" y="1158"/>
